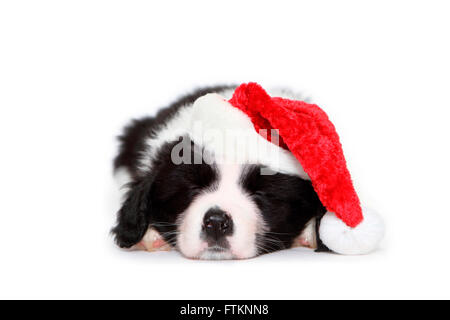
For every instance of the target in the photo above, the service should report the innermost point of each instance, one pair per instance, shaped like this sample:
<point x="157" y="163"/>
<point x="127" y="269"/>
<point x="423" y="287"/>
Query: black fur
<point x="286" y="203"/>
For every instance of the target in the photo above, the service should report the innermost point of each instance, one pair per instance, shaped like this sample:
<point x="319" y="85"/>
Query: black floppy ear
<point x="133" y="217"/>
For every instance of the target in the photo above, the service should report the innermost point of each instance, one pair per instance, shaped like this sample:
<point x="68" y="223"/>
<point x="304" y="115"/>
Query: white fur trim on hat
<point x="362" y="239"/>
<point x="229" y="134"/>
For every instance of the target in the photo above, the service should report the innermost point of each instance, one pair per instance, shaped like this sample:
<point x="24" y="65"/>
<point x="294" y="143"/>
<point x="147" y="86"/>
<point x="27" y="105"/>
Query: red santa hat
<point x="308" y="146"/>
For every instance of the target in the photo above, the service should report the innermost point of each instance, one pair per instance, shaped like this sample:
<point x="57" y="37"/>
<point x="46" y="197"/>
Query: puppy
<point x="206" y="209"/>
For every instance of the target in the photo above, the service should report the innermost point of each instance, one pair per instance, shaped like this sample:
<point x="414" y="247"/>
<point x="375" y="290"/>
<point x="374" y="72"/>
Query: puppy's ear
<point x="133" y="217"/>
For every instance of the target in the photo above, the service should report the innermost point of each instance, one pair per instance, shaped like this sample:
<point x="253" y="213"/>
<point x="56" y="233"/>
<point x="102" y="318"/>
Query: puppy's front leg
<point x="152" y="241"/>
<point x="308" y="236"/>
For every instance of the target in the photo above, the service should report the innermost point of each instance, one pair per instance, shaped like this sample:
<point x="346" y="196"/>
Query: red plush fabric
<point x="310" y="136"/>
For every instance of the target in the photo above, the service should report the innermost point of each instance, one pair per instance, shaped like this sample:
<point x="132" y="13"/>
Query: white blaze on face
<point x="229" y="197"/>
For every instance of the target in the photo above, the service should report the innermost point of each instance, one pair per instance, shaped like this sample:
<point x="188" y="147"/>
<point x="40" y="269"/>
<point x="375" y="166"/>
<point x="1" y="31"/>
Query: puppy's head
<point x="211" y="210"/>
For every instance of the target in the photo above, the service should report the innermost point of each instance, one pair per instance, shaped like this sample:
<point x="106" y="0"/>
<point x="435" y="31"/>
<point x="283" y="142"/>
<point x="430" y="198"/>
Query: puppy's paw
<point x="308" y="236"/>
<point x="152" y="241"/>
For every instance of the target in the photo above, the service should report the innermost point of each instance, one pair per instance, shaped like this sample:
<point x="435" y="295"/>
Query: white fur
<point x="228" y="196"/>
<point x="230" y="135"/>
<point x="174" y="128"/>
<point x="212" y="255"/>
<point x="362" y="239"/>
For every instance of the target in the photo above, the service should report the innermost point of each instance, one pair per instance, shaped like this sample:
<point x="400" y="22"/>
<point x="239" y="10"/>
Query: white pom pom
<point x="362" y="239"/>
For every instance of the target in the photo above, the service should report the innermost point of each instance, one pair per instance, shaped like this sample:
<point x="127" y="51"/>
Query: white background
<point x="72" y="73"/>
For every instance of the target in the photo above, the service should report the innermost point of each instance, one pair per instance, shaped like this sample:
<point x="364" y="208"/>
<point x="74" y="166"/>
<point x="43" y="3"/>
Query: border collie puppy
<point x="206" y="209"/>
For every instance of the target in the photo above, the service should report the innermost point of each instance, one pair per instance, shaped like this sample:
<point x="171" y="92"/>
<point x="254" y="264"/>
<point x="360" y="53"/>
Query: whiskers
<point x="163" y="224"/>
<point x="267" y="242"/>
<point x="169" y="236"/>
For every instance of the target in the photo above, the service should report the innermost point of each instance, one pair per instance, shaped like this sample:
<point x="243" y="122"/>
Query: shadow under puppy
<point x="215" y="177"/>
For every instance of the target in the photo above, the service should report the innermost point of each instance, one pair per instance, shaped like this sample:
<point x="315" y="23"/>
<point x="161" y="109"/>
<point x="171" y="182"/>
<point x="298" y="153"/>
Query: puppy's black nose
<point x="217" y="224"/>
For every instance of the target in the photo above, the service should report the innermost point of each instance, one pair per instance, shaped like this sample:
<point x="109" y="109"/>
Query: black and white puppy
<point x="206" y="209"/>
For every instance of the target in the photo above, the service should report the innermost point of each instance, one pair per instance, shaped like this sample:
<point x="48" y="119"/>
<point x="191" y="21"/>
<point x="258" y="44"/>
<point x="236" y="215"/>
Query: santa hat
<point x="308" y="146"/>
